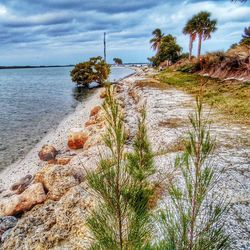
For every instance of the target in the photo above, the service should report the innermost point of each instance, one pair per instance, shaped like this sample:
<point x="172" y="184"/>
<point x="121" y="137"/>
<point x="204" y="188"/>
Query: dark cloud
<point x="106" y="6"/>
<point x="61" y="25"/>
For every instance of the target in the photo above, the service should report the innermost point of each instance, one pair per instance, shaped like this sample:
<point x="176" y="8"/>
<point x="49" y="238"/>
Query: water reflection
<point x="81" y="93"/>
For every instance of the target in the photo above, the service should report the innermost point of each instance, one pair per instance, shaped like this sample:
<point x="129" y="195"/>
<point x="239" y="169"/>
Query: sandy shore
<point x="58" y="138"/>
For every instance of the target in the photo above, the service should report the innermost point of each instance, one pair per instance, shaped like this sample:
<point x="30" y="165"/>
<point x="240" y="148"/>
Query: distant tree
<point x="94" y="70"/>
<point x="157" y="39"/>
<point x="169" y="51"/>
<point x="117" y="61"/>
<point x="204" y="26"/>
<point x="189" y="29"/>
<point x="246" y="37"/>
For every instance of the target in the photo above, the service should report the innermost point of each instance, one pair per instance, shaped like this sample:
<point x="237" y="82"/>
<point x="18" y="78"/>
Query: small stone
<point x="6" y="235"/>
<point x="22" y="184"/>
<point x="95" y="111"/>
<point x="103" y="94"/>
<point x="7" y="222"/>
<point x="60" y="161"/>
<point x="47" y="153"/>
<point x="77" y="139"/>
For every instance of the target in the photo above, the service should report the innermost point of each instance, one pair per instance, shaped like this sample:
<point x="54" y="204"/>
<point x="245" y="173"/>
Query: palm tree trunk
<point x="190" y="47"/>
<point x="199" y="46"/>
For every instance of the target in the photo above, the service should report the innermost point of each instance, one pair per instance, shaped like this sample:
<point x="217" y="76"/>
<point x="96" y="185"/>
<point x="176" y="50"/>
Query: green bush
<point x="94" y="70"/>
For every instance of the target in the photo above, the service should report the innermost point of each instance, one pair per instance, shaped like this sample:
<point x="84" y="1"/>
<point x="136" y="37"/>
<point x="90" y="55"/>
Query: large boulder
<point x="77" y="138"/>
<point x="94" y="111"/>
<point x="47" y="153"/>
<point x="57" y="180"/>
<point x="17" y="203"/>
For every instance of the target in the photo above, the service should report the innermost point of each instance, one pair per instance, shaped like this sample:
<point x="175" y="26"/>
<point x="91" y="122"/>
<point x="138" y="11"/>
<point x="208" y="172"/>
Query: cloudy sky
<point x="38" y="32"/>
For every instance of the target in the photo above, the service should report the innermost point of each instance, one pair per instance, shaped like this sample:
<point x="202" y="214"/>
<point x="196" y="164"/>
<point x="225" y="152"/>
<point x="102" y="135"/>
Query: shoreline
<point x="31" y="163"/>
<point x="57" y="137"/>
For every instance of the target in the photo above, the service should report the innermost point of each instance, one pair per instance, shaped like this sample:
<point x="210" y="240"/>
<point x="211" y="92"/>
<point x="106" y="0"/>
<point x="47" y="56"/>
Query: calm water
<point x="34" y="101"/>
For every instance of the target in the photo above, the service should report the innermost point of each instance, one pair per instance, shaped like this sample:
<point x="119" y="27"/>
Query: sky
<point x="49" y="32"/>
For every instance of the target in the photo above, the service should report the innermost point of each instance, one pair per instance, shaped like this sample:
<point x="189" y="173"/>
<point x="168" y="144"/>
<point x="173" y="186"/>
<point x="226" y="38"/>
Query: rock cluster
<point x="54" y="223"/>
<point x="52" y="204"/>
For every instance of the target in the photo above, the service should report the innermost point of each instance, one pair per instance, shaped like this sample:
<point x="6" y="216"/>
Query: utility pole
<point x="104" y="43"/>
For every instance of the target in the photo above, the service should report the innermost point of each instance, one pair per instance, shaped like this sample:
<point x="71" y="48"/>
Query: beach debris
<point x="94" y="111"/>
<point x="17" y="203"/>
<point x="22" y="184"/>
<point x="48" y="152"/>
<point x="57" y="180"/>
<point x="77" y="138"/>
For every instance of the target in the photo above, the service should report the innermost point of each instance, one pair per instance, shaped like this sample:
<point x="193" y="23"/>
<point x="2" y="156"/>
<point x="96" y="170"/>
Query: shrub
<point x="94" y="70"/>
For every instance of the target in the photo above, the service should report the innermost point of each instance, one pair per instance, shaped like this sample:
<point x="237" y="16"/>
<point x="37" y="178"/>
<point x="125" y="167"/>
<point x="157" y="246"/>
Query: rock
<point x="103" y="94"/>
<point x="60" y="161"/>
<point x="57" y="180"/>
<point x="95" y="111"/>
<point x="127" y="132"/>
<point x="134" y="95"/>
<point x="6" y="235"/>
<point x="119" y="89"/>
<point x="54" y="224"/>
<point x="47" y="153"/>
<point x="22" y="184"/>
<point x="93" y="141"/>
<point x="7" y="222"/>
<point x="98" y="119"/>
<point x="14" y="204"/>
<point x="77" y="139"/>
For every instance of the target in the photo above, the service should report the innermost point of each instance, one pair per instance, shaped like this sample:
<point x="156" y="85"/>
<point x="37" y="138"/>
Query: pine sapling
<point x="192" y="219"/>
<point x="121" y="218"/>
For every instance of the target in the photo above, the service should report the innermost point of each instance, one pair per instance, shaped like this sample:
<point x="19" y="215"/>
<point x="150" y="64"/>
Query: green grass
<point x="231" y="98"/>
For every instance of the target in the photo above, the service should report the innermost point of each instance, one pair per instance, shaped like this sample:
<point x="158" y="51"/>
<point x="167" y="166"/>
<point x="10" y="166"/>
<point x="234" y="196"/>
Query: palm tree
<point x="157" y="39"/>
<point x="204" y="26"/>
<point x="246" y="36"/>
<point x="189" y="29"/>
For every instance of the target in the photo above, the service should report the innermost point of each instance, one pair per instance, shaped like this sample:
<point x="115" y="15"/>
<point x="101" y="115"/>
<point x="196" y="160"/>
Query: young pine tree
<point x="192" y="219"/>
<point x="121" y="218"/>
